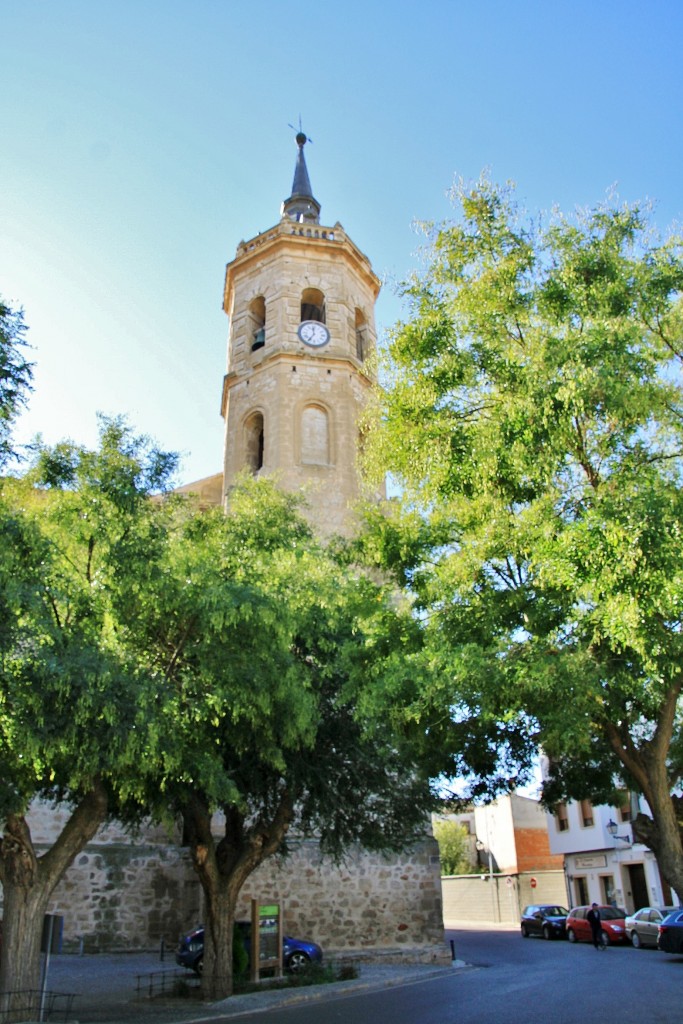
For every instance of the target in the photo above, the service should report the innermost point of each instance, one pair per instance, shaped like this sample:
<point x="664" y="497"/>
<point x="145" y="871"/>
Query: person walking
<point x="594" y="920"/>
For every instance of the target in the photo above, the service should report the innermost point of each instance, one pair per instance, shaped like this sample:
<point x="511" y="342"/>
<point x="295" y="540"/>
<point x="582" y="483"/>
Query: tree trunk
<point x="647" y="763"/>
<point x="223" y="869"/>
<point x="28" y="883"/>
<point x="217" y="977"/>
<point x="25" y="902"/>
<point x="662" y="832"/>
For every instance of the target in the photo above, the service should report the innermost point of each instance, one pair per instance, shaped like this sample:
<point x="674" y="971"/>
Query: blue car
<point x="670" y="934"/>
<point x="297" y="954"/>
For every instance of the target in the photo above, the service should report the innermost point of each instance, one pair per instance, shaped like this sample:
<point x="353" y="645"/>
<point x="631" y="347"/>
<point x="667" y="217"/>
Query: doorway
<point x="609" y="896"/>
<point x="581" y="890"/>
<point x="638" y="886"/>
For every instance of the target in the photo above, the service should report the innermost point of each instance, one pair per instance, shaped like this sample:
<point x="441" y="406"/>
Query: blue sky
<point x="143" y="139"/>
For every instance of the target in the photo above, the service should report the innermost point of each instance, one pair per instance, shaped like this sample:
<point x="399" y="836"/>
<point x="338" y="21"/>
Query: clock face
<point x="313" y="333"/>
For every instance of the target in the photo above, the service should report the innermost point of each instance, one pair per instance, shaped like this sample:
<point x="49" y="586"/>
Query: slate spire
<point x="301" y="205"/>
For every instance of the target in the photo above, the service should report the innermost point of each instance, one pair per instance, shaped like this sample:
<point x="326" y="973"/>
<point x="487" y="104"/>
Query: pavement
<point x="137" y="988"/>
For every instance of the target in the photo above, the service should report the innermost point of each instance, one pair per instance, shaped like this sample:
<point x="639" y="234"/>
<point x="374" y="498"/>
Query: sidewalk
<point x="113" y="989"/>
<point x="455" y="925"/>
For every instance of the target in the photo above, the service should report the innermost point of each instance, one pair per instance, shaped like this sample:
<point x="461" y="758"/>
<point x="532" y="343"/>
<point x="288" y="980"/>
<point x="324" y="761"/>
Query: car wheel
<point x="198" y="967"/>
<point x="571" y="934"/>
<point x="547" y="934"/>
<point x="298" y="961"/>
<point x="525" y="932"/>
<point x="635" y="940"/>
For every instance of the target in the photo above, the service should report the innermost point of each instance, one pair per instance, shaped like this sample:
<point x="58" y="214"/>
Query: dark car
<point x="670" y="936"/>
<point x="546" y="919"/>
<point x="613" y="920"/>
<point x="297" y="954"/>
<point x="642" y="928"/>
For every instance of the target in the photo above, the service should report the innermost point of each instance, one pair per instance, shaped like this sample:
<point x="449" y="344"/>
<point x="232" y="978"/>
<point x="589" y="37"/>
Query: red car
<point x="613" y="921"/>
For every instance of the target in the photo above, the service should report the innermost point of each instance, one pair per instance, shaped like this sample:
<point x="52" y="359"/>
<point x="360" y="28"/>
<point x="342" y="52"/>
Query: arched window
<point x="315" y="436"/>
<point x="257" y="322"/>
<point x="313" y="305"/>
<point x="361" y="335"/>
<point x="253" y="442"/>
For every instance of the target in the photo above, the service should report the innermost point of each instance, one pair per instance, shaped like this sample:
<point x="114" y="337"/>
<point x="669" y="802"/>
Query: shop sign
<point x="593" y="860"/>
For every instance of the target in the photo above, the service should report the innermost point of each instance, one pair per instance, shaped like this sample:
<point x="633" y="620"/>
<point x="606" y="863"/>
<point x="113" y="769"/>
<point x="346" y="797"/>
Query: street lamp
<point x="480" y="847"/>
<point x="612" y="828"/>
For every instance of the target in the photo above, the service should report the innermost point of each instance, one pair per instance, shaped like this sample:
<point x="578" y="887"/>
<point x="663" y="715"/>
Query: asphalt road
<point x="511" y="980"/>
<point x="505" y="980"/>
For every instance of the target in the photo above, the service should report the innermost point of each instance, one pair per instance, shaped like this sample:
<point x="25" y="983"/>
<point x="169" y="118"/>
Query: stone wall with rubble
<point x="133" y="892"/>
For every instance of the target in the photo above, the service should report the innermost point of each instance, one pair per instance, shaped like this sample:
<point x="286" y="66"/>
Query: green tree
<point x="262" y="647"/>
<point x="74" y="714"/>
<point x="453" y="840"/>
<point x="15" y="374"/>
<point x="533" y="417"/>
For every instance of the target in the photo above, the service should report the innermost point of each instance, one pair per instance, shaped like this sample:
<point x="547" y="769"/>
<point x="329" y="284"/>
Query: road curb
<point x="258" y="1002"/>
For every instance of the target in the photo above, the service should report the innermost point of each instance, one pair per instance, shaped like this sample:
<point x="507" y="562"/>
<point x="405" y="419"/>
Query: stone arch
<point x="314" y="435"/>
<point x="313" y="305"/>
<point x="257" y="322"/>
<point x="254" y="441"/>
<point x="362" y="336"/>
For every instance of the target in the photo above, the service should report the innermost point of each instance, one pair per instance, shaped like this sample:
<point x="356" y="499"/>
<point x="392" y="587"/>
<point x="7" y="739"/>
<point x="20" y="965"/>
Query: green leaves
<point x="256" y="648"/>
<point x="532" y="417"/>
<point x="79" y="533"/>
<point x="15" y="374"/>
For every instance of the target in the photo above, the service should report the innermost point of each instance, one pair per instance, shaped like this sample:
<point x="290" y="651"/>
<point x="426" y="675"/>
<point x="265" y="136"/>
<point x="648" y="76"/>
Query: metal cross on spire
<point x="301" y="137"/>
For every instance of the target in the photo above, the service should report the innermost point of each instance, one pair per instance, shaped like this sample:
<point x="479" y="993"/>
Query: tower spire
<point x="301" y="205"/>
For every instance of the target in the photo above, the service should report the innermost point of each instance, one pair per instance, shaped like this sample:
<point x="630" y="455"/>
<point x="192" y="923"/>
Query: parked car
<point x="670" y="935"/>
<point x="613" y="924"/>
<point x="546" y="919"/>
<point x="642" y="927"/>
<point x="297" y="954"/>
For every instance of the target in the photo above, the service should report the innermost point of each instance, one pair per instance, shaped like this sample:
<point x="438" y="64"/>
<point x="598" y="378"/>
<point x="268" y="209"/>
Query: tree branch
<point x="82" y="825"/>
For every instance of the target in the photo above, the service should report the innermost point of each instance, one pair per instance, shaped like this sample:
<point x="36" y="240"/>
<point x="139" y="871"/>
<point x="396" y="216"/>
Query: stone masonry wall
<point x="131" y="893"/>
<point x="369" y="901"/>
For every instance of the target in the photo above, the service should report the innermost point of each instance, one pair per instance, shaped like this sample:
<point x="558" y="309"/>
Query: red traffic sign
<point x="533" y="883"/>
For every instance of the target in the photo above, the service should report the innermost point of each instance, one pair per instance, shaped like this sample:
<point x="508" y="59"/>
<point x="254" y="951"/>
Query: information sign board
<point x="266" y="938"/>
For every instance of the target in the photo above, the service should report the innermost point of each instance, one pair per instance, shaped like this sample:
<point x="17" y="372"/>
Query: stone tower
<point x="300" y="298"/>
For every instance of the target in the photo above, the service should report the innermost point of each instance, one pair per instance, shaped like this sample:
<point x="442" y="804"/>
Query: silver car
<point x="642" y="927"/>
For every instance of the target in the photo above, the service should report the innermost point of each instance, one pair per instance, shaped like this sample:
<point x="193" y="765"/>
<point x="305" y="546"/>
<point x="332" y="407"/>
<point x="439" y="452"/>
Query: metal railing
<point x="28" y="1005"/>
<point x="163" y="983"/>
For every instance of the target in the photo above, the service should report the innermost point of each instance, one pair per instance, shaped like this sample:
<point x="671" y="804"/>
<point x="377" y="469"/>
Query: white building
<point x="602" y="863"/>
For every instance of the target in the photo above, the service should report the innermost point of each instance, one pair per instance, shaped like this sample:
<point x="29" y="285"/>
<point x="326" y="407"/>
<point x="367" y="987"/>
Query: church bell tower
<point x="300" y="298"/>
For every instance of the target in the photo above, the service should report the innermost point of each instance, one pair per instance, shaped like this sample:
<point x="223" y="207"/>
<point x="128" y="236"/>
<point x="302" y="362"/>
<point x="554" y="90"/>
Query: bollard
<point x="162" y="950"/>
<point x="453" y="950"/>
